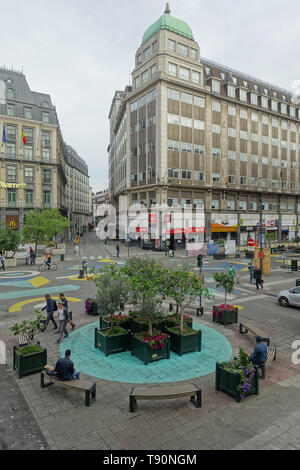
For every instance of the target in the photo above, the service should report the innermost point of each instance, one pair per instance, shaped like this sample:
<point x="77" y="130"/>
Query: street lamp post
<point x="260" y="227"/>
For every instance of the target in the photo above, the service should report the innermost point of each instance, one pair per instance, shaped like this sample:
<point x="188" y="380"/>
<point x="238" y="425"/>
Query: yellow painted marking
<point x="240" y="307"/>
<point x="106" y="261"/>
<point x="18" y="307"/>
<point x="244" y="269"/>
<point x="38" y="281"/>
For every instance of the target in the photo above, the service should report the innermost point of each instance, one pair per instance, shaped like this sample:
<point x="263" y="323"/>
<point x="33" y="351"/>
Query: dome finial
<point x="167" y="10"/>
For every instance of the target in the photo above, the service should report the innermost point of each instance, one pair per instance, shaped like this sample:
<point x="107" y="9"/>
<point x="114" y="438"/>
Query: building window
<point x="274" y="184"/>
<point x="253" y="99"/>
<point x="230" y="205"/>
<point x="283" y="108"/>
<point x="12" y="197"/>
<point x="274" y="162"/>
<point x="253" y="206"/>
<point x="215" y="86"/>
<point x="29" y="198"/>
<point x="292" y="112"/>
<point x="199" y="175"/>
<point x="155" y="47"/>
<point x="216" y="152"/>
<point x="198" y="101"/>
<point x="173" y="173"/>
<point x="186" y="175"/>
<point x="243" y="179"/>
<point x="216" y="177"/>
<point x="46" y="155"/>
<point x="243" y="113"/>
<point x="172" y="69"/>
<point x="244" y="135"/>
<point x="275" y="142"/>
<point x="254" y="116"/>
<point x="254" y="181"/>
<point x="231" y="110"/>
<point x="28" y="174"/>
<point x="230" y="91"/>
<point x="265" y="160"/>
<point x="46" y="176"/>
<point x="153" y="70"/>
<point x="10" y="94"/>
<point x="231" y="179"/>
<point x="139" y="59"/>
<point x="199" y="149"/>
<point x="45" y="117"/>
<point x="184" y="73"/>
<point x="10" y="150"/>
<point x="216" y="106"/>
<point x="11" y="132"/>
<point x="186" y="98"/>
<point x="215" y="204"/>
<point x="231" y="155"/>
<point x="28" y="132"/>
<point x="11" y="173"/>
<point x="46" y="198"/>
<point x="231" y="132"/>
<point x="28" y="113"/>
<point x="147" y="53"/>
<point x="10" y="109"/>
<point x="137" y="82"/>
<point x="171" y="45"/>
<point x="195" y="77"/>
<point x="264" y="183"/>
<point x="216" y="128"/>
<point x="184" y="50"/>
<point x="186" y="147"/>
<point x="199" y="124"/>
<point x="243" y="95"/>
<point x="265" y="119"/>
<point x="173" y="145"/>
<point x="186" y="122"/>
<point x="254" y="137"/>
<point x="145" y="76"/>
<point x="193" y="53"/>
<point x="265" y="139"/>
<point x="264" y="102"/>
<point x="243" y="157"/>
<point x="242" y="205"/>
<point x="28" y="152"/>
<point x="173" y="119"/>
<point x="274" y="106"/>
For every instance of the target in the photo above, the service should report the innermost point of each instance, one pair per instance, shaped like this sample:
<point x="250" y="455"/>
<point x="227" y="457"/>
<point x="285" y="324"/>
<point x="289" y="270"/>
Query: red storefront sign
<point x="141" y="230"/>
<point x="186" y="230"/>
<point x="152" y="218"/>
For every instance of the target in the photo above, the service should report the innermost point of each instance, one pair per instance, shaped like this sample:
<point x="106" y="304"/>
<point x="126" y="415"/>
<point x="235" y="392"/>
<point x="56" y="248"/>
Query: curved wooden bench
<point x="189" y="390"/>
<point x="245" y="327"/>
<point x="271" y="356"/>
<point x="89" y="388"/>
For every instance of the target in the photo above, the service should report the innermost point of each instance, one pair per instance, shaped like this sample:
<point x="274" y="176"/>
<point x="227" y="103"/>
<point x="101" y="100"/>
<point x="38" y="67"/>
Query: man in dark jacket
<point x="49" y="307"/>
<point x="64" y="369"/>
<point x="257" y="277"/>
<point x="260" y="353"/>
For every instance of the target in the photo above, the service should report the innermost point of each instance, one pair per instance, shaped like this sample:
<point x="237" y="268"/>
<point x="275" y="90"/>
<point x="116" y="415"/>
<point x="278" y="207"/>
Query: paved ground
<point x="270" y="420"/>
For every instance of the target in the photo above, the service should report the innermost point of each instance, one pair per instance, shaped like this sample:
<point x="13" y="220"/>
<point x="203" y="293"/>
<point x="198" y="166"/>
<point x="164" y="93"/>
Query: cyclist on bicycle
<point x="48" y="260"/>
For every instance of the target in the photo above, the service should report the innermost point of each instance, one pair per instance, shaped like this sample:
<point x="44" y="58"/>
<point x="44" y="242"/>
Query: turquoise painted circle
<point x="122" y="367"/>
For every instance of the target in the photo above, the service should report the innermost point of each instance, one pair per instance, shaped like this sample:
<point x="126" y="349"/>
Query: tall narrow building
<point x="198" y="134"/>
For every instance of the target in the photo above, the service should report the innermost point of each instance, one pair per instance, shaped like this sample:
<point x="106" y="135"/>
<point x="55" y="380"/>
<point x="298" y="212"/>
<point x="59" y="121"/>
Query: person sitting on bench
<point x="260" y="353"/>
<point x="64" y="369"/>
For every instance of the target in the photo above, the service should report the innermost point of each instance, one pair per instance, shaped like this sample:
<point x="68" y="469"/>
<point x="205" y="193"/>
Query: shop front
<point x="288" y="227"/>
<point x="224" y="226"/>
<point x="249" y="228"/>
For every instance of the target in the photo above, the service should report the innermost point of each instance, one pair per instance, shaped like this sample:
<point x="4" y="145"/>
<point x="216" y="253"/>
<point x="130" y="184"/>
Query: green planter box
<point x="138" y="326"/>
<point x="230" y="316"/>
<point x="228" y="382"/>
<point x="169" y="321"/>
<point x="142" y="351"/>
<point x="105" y="323"/>
<point x="219" y="256"/>
<point x="182" y="344"/>
<point x="29" y="364"/>
<point x="112" y="344"/>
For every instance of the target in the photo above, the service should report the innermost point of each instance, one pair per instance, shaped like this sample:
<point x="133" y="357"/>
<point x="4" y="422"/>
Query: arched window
<point x="10" y="94"/>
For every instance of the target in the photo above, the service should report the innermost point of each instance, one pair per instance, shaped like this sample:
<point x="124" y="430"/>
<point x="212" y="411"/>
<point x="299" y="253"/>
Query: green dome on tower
<point x="166" y="21"/>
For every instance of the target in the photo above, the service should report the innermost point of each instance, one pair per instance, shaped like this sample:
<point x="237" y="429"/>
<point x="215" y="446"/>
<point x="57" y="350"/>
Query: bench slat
<point x="79" y="385"/>
<point x="164" y="393"/>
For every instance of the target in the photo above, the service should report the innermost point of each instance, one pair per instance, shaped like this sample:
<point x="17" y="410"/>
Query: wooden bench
<point x="189" y="390"/>
<point x="199" y="310"/>
<point x="89" y="388"/>
<point x="271" y="356"/>
<point x="245" y="327"/>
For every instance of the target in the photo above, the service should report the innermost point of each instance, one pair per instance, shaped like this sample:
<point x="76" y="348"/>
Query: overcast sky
<point x="80" y="51"/>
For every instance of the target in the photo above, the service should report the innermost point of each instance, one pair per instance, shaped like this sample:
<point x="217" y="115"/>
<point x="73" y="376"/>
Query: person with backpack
<point x="66" y="306"/>
<point x="50" y="307"/>
<point x="63" y="318"/>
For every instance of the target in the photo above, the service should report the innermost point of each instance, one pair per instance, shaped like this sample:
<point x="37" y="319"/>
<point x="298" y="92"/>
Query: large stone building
<point x="192" y="132"/>
<point x="77" y="191"/>
<point x="32" y="172"/>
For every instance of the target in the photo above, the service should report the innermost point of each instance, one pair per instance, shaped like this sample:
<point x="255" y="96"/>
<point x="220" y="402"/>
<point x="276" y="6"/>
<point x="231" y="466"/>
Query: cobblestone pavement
<point x="270" y="420"/>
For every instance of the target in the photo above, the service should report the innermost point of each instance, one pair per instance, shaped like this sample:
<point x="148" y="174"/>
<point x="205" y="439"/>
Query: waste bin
<point x="80" y="274"/>
<point x="294" y="265"/>
<point x="297" y="282"/>
<point x="62" y="257"/>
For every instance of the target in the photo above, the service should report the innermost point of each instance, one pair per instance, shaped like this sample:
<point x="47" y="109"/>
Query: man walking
<point x="3" y="261"/>
<point x="251" y="272"/>
<point x="118" y="250"/>
<point x="50" y="308"/>
<point x="258" y="279"/>
<point x="32" y="256"/>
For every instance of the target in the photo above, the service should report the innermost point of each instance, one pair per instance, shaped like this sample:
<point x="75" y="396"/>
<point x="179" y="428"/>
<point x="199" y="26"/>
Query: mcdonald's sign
<point x="12" y="221"/>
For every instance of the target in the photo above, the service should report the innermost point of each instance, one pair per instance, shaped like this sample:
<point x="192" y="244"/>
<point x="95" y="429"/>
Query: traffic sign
<point x="260" y="254"/>
<point x="250" y="242"/>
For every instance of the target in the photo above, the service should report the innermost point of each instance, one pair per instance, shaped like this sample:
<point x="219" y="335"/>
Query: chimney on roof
<point x="167" y="10"/>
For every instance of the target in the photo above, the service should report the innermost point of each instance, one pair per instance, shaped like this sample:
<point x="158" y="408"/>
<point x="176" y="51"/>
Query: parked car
<point x="289" y="297"/>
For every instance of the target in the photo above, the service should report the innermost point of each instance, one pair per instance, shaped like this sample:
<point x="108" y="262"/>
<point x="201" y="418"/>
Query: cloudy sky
<point x="81" y="51"/>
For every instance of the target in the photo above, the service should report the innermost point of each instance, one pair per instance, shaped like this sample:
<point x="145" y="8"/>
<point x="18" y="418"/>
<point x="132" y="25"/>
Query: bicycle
<point x="44" y="267"/>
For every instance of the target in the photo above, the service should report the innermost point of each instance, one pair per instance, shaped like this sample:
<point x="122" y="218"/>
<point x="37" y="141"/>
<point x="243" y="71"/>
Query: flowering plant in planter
<point x="156" y="341"/>
<point x="243" y="367"/>
<point x="88" y="306"/>
<point x="219" y="310"/>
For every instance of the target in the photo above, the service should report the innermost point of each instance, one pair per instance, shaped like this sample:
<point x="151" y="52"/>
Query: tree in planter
<point x="145" y="280"/>
<point x="35" y="227"/>
<point x="226" y="282"/>
<point x="112" y="290"/>
<point x="9" y="240"/>
<point x="181" y="283"/>
<point x="28" y="328"/>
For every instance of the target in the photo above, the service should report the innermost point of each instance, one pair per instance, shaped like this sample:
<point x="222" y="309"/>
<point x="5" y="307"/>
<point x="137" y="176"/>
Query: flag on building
<point x="24" y="138"/>
<point x="4" y="140"/>
<point x="281" y="176"/>
<point x="227" y="182"/>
